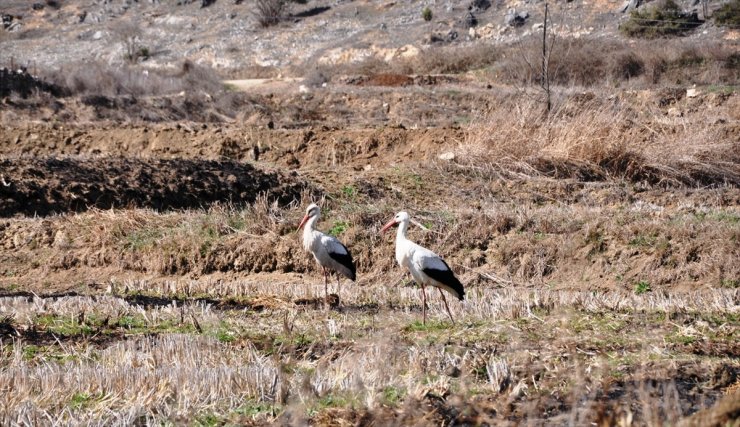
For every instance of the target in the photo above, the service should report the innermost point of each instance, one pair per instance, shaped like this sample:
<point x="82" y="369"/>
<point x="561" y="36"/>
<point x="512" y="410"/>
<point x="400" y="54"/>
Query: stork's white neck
<point x="308" y="228"/>
<point x="401" y="232"/>
<point x="309" y="236"/>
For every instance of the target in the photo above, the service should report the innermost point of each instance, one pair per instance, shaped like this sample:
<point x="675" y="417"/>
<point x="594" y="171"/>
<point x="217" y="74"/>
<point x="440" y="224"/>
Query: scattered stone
<point x="515" y="19"/>
<point x="674" y="112"/>
<point x="7" y="21"/>
<point x="206" y="3"/>
<point x="469" y="21"/>
<point x="447" y="156"/>
<point x="479" y="6"/>
<point x="443" y="38"/>
<point x="692" y="93"/>
<point x="61" y="240"/>
<point x="629" y="5"/>
<point x="38" y="6"/>
<point x="98" y="35"/>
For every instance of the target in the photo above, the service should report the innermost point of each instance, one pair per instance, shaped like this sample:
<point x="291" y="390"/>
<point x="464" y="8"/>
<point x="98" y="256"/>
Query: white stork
<point x="329" y="252"/>
<point x="426" y="267"/>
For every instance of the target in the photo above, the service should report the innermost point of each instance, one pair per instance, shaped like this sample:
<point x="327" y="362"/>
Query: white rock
<point x="692" y="93"/>
<point x="447" y="156"/>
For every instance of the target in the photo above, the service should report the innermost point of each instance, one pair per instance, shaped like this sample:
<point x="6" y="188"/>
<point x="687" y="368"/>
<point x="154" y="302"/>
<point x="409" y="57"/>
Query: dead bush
<point x="130" y="35"/>
<point x="626" y="65"/>
<point x="271" y="12"/>
<point x="95" y="78"/>
<point x="593" y="140"/>
<point x="454" y="60"/>
<point x="593" y="62"/>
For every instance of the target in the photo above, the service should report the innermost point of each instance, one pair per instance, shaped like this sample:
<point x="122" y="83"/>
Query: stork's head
<point x="400" y="218"/>
<point x="311" y="211"/>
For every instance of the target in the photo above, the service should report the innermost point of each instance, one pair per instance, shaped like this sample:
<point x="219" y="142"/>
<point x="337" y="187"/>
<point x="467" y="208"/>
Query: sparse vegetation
<point x="728" y="14"/>
<point x="426" y="13"/>
<point x="130" y="35"/>
<point x="662" y="19"/>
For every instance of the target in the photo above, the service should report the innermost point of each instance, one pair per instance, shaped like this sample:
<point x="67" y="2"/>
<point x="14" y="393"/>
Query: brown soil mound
<point x="43" y="186"/>
<point x="389" y="80"/>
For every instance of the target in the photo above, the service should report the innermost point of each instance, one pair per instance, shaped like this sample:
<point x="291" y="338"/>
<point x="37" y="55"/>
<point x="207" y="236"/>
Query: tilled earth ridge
<point x="48" y="185"/>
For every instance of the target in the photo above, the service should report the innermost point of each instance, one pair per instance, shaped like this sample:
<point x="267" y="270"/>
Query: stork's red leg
<point x="326" y="283"/>
<point x="423" y="305"/>
<point x="446" y="306"/>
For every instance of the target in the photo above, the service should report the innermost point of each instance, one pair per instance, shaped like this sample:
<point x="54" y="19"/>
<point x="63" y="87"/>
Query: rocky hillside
<point x="225" y="34"/>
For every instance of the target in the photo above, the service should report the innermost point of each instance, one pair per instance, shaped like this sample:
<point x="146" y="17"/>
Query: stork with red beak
<point x="329" y="252"/>
<point x="426" y="267"/>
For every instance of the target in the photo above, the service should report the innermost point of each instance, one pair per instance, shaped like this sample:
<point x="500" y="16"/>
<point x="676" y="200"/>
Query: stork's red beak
<point x="303" y="221"/>
<point x="389" y="225"/>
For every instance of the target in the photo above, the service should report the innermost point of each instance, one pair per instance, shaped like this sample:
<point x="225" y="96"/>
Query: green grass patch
<point x="393" y="396"/>
<point x="349" y="192"/>
<point x="30" y="351"/>
<point x="255" y="409"/>
<point x="643" y="240"/>
<point x="80" y="400"/>
<point x="729" y="283"/>
<point x="432" y="325"/>
<point x="338" y="228"/>
<point x="642" y="287"/>
<point x="142" y="239"/>
<point x="63" y="325"/>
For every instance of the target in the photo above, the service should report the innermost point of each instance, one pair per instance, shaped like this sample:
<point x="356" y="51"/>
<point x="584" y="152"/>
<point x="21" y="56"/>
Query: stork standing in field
<point x="329" y="252"/>
<point x="426" y="267"/>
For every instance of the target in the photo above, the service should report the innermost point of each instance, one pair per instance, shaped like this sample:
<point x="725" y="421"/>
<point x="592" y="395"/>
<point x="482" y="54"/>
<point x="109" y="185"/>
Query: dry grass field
<point x="151" y="272"/>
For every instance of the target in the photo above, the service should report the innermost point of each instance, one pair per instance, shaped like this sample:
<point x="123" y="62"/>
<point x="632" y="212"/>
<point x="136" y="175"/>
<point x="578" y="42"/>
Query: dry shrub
<point x="593" y="139"/>
<point x="96" y="78"/>
<point x="593" y="62"/>
<point x="665" y="18"/>
<point x="454" y="60"/>
<point x="269" y="12"/>
<point x="728" y="15"/>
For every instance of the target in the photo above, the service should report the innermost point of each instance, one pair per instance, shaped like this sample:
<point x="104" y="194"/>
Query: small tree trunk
<point x="545" y="63"/>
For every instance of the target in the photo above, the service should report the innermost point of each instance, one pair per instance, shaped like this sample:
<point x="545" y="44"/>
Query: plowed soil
<point x="44" y="186"/>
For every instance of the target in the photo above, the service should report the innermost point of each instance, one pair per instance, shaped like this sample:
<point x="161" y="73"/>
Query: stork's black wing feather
<point x="345" y="259"/>
<point x="446" y="277"/>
